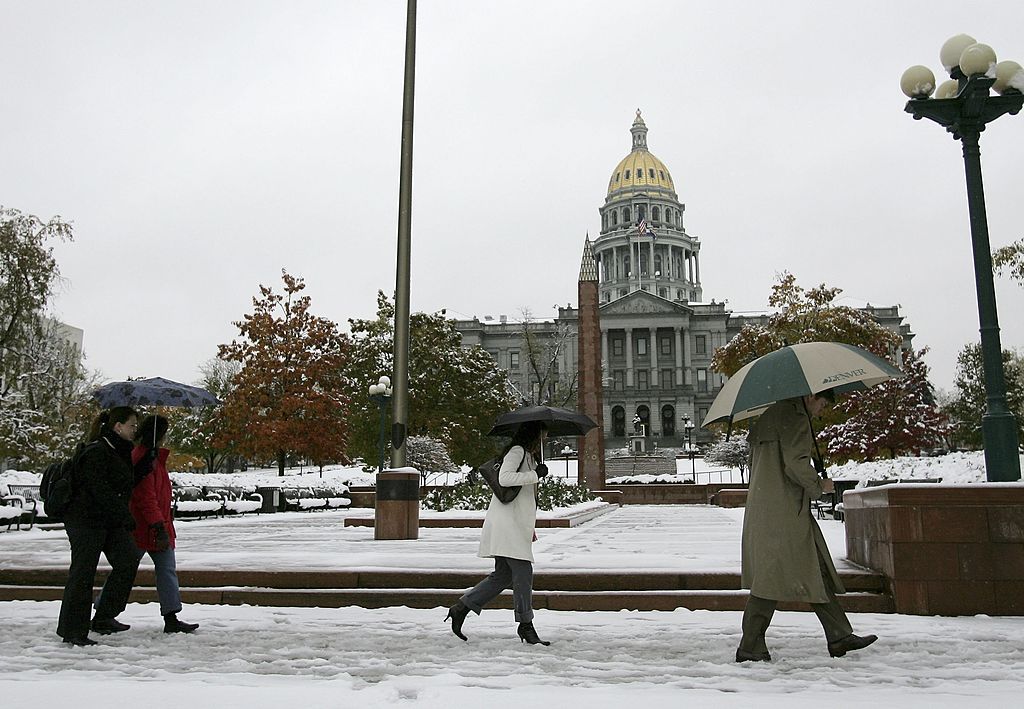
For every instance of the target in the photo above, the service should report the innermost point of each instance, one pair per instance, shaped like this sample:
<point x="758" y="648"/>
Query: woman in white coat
<point x="508" y="536"/>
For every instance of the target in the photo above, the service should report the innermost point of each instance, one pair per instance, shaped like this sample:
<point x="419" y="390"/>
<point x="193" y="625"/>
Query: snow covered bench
<point x="17" y="510"/>
<point x="296" y="499"/>
<point x="193" y="502"/>
<point x="235" y="500"/>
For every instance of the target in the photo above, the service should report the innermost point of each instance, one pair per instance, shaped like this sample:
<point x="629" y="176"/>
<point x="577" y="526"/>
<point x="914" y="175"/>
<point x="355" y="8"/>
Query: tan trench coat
<point x="781" y="540"/>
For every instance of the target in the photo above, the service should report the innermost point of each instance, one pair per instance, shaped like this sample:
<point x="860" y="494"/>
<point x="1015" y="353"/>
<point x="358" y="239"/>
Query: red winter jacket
<point x="151" y="501"/>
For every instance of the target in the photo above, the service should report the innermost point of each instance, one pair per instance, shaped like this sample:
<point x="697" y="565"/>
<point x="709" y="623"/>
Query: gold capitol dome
<point x="640" y="171"/>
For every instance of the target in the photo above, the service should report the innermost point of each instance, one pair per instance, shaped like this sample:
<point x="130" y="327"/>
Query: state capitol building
<point x="657" y="334"/>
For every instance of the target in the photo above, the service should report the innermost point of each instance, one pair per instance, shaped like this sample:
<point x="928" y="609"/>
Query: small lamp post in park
<point x="963" y="106"/>
<point x="566" y="451"/>
<point x="688" y="428"/>
<point x="380" y="394"/>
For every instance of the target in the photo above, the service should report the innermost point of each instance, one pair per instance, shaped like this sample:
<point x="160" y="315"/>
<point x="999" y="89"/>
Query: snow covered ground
<point x="348" y="657"/>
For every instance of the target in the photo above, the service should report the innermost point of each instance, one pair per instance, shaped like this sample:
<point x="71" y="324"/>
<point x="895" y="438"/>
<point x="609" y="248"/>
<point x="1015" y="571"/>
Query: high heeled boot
<point x="528" y="634"/>
<point x="457" y="614"/>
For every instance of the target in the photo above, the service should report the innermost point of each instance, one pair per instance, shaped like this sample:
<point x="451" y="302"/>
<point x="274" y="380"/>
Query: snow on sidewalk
<point x="349" y="657"/>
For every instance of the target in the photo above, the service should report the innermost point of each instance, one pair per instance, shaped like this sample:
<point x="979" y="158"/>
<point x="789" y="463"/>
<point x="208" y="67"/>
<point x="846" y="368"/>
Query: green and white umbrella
<point x="793" y="371"/>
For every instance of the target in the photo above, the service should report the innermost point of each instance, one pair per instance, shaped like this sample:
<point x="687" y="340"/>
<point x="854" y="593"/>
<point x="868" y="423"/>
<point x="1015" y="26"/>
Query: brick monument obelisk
<point x="590" y="446"/>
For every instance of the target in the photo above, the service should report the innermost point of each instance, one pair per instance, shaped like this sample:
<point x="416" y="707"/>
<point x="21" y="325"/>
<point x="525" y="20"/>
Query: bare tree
<point x="547" y="383"/>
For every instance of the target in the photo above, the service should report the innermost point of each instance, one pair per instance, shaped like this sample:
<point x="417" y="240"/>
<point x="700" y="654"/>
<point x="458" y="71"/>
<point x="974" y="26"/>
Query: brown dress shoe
<point x="851" y="642"/>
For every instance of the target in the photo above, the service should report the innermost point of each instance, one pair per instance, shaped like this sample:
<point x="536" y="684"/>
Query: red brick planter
<point x="946" y="550"/>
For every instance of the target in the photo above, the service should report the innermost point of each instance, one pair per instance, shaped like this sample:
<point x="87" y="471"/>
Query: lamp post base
<point x="1002" y="458"/>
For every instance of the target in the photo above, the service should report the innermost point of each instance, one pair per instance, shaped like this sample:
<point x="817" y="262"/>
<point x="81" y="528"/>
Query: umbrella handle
<point x="819" y="464"/>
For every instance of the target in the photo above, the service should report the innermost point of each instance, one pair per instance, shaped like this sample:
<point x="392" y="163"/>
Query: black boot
<point x="457" y="614"/>
<point x="173" y="625"/>
<point x="106" y="626"/>
<point x="83" y="641"/>
<point x="528" y="634"/>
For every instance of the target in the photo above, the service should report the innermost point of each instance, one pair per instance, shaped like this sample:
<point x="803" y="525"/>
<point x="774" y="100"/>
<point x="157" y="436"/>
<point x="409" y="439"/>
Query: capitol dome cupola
<point x="661" y="258"/>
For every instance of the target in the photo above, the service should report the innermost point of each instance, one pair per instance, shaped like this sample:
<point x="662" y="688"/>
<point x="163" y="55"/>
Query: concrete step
<point x="722" y="600"/>
<point x="429" y="588"/>
<point x="378" y="579"/>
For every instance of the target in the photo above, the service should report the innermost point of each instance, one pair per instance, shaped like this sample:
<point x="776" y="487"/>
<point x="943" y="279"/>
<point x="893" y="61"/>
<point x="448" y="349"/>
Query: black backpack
<point x="489" y="472"/>
<point x="57" y="484"/>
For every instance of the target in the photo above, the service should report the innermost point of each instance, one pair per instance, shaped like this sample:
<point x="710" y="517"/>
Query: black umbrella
<point x="156" y="391"/>
<point x="559" y="422"/>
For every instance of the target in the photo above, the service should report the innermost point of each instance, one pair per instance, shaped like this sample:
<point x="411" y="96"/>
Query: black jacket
<point x="102" y="485"/>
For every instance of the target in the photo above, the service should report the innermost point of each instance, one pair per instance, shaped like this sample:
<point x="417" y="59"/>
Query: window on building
<point x="618" y="421"/>
<point x="623" y="292"/>
<point x="641" y="380"/>
<point x="618" y="346"/>
<point x="627" y="174"/>
<point x="615" y="218"/>
<point x="663" y="293"/>
<point x="641" y="211"/>
<point x="702" y="414"/>
<point x="666" y="345"/>
<point x="513" y="360"/>
<point x="651" y="171"/>
<point x="662" y="173"/>
<point x="655" y="214"/>
<point x="668" y="420"/>
<point x="641" y="346"/>
<point x="700" y="345"/>
<point x="616" y="177"/>
<point x="619" y="379"/>
<point x="667" y="381"/>
<point x="626" y="214"/>
<point x="702" y="380"/>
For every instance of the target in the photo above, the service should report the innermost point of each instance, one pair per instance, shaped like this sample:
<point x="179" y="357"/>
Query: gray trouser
<point x="517" y="573"/>
<point x="757" y="616"/>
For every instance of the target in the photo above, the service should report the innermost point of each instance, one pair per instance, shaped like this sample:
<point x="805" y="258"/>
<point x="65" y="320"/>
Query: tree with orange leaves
<point x="287" y="398"/>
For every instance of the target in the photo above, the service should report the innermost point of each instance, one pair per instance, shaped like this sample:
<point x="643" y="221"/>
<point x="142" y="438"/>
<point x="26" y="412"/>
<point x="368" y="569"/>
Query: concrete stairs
<point x="576" y="590"/>
<point x="639" y="465"/>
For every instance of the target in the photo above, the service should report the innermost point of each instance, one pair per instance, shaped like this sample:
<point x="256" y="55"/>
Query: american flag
<point x="643" y="228"/>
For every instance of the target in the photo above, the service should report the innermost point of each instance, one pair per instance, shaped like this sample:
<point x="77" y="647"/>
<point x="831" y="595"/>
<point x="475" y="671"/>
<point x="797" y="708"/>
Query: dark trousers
<point x="86" y="545"/>
<point x="517" y="573"/>
<point x="757" y="616"/>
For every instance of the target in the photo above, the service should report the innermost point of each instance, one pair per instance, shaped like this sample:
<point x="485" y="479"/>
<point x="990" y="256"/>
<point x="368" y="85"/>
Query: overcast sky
<point x="200" y="147"/>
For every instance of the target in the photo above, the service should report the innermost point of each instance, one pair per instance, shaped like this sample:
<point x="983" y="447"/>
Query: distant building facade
<point x="657" y="336"/>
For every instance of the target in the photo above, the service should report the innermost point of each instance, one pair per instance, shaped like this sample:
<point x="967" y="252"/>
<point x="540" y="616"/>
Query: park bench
<point x="189" y="501"/>
<point x="20" y="506"/>
<point x="301" y="499"/>
<point x="235" y="500"/>
<point x="336" y="499"/>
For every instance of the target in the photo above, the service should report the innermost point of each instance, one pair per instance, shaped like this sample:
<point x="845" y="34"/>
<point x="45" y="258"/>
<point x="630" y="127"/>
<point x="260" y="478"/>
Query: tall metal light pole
<point x="380" y="394"/>
<point x="688" y="427"/>
<point x="963" y="106"/>
<point x="400" y="409"/>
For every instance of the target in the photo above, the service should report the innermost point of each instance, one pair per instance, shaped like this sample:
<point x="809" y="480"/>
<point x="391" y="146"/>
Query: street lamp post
<point x="963" y="106"/>
<point x="688" y="427"/>
<point x="567" y="451"/>
<point x="380" y="394"/>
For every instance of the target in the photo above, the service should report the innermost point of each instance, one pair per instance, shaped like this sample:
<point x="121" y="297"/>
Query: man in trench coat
<point x="784" y="553"/>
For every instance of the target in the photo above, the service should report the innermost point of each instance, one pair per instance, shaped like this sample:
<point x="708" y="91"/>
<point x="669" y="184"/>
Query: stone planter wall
<point x="946" y="550"/>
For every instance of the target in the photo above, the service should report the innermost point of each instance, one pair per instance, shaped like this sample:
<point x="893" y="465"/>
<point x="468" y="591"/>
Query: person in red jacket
<point x="154" y="525"/>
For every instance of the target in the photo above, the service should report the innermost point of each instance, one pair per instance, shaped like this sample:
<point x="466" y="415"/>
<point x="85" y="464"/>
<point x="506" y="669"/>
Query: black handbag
<point x="489" y="472"/>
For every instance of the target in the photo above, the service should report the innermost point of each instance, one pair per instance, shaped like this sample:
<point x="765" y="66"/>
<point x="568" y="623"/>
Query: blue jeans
<point x="517" y="573"/>
<point x="166" y="580"/>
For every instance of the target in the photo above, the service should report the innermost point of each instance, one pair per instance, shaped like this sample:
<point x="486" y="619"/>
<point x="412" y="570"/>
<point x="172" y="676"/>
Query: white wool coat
<point x="508" y="528"/>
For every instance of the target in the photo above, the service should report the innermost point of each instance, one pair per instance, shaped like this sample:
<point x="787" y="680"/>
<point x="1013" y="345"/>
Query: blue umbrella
<point x="156" y="391"/>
